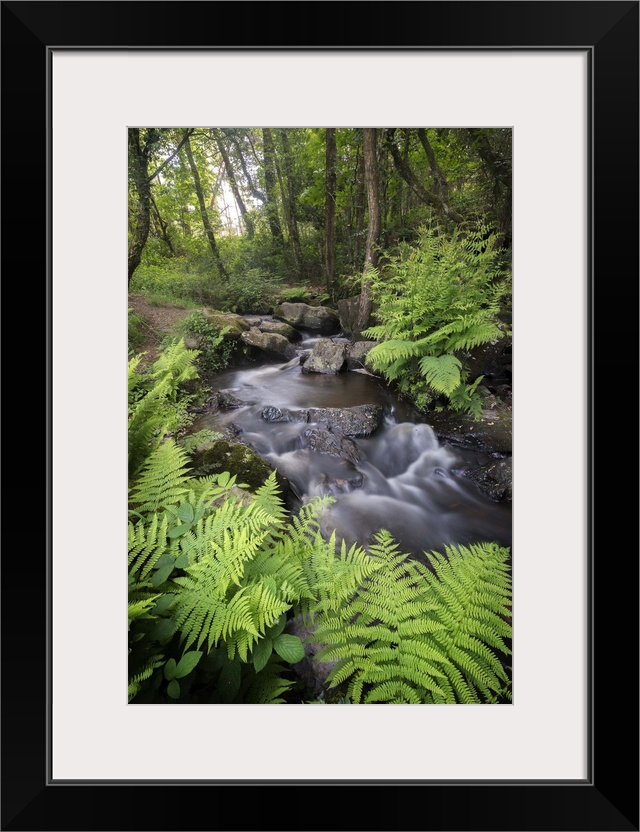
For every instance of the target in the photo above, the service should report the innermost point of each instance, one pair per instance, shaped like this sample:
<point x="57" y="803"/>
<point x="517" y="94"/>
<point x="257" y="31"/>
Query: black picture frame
<point x="608" y="798"/>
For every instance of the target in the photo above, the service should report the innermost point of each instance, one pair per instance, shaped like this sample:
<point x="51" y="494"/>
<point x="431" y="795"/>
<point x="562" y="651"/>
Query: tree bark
<point x="289" y="200"/>
<point x="360" y="209"/>
<point x="269" y="162"/>
<point x="203" y="210"/>
<point x="330" y="206"/>
<point x="163" y="227"/>
<point x="441" y="186"/>
<point x="141" y="215"/>
<point x="246" y="217"/>
<point x="405" y="171"/>
<point x="372" y="181"/>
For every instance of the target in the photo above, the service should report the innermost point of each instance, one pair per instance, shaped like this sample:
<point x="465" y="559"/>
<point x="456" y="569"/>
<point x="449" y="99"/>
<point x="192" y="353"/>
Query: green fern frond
<point x="409" y="634"/>
<point x="163" y="481"/>
<point x="442" y="372"/>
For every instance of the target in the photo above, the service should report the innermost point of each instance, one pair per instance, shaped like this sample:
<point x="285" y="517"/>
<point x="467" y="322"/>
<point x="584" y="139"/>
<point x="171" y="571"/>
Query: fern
<point x="155" y="407"/>
<point x="435" y="302"/>
<point x="410" y="635"/>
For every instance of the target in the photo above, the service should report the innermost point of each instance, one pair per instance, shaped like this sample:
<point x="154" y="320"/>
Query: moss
<point x="238" y="460"/>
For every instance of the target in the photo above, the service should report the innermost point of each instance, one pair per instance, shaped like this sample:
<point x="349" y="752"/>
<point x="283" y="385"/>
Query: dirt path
<point x="158" y="321"/>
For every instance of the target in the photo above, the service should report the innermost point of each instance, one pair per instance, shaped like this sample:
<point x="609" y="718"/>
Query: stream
<point x="400" y="477"/>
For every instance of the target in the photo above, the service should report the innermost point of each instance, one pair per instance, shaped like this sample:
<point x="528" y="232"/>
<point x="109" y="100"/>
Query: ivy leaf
<point x="289" y="648"/>
<point x="163" y="603"/>
<point x="182" y="560"/>
<point x="163" y="630"/>
<point x="177" y="531"/>
<point x="173" y="689"/>
<point x="161" y="575"/>
<point x="185" y="513"/>
<point x="187" y="663"/>
<point x="261" y="654"/>
<point x="223" y="478"/>
<point x="170" y="669"/>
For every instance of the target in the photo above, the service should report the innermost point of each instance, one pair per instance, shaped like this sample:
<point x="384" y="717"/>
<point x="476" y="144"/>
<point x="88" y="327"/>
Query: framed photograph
<point x="563" y="78"/>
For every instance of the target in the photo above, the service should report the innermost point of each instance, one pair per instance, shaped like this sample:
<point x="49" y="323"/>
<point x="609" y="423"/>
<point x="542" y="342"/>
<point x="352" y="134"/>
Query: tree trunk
<point x="140" y="216"/>
<point x="203" y="210"/>
<point x="359" y="219"/>
<point x="246" y="217"/>
<point x="372" y="181"/>
<point x="330" y="206"/>
<point x="269" y="162"/>
<point x="441" y="186"/>
<point x="405" y="171"/>
<point x="289" y="200"/>
<point x="163" y="226"/>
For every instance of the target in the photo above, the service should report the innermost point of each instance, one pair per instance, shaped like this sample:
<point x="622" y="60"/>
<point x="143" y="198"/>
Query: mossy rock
<point x="240" y="461"/>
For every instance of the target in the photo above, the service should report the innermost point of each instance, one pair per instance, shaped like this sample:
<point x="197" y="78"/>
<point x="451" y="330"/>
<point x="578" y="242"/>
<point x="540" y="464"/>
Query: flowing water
<point x="400" y="478"/>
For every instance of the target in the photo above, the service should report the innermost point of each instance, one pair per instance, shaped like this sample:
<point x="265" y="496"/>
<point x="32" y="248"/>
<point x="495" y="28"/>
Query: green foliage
<point x="193" y="441"/>
<point x="294" y="294"/>
<point x="156" y="404"/>
<point x="135" y="331"/>
<point x="176" y="280"/>
<point x="435" y="301"/>
<point x="215" y="351"/>
<point x="409" y="635"/>
<point x="253" y="291"/>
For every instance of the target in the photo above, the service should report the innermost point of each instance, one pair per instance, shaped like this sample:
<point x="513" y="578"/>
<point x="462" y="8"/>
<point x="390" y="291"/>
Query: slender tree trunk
<point x="359" y="218"/>
<point x="203" y="210"/>
<point x="246" y="218"/>
<point x="330" y="207"/>
<point x="269" y="162"/>
<point x="441" y="186"/>
<point x="289" y="199"/>
<point x="163" y="227"/>
<point x="255" y="191"/>
<point x="372" y="180"/>
<point x="140" y="216"/>
<point x="413" y="182"/>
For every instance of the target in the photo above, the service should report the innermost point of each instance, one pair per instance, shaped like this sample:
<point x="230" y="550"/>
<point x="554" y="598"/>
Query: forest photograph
<point x="319" y="415"/>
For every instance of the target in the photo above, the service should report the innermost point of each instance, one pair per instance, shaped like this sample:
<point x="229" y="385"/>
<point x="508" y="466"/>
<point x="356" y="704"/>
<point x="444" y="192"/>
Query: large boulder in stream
<point x="360" y="420"/>
<point x="239" y="460"/>
<point x="236" y="323"/>
<point x="325" y="442"/>
<point x="357" y="352"/>
<point x="319" y="319"/>
<point x="271" y="343"/>
<point x="327" y="357"/>
<point x="280" y="328"/>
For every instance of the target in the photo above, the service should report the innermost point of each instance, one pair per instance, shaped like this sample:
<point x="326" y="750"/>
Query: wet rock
<point x="357" y="352"/>
<point x="348" y="312"/>
<point x="236" y="323"/>
<point x="335" y="444"/>
<point x="283" y="414"/>
<point x="495" y="478"/>
<point x="280" y="328"/>
<point x="271" y="343"/>
<point x="361" y="420"/>
<point x="316" y="318"/>
<point x="491" y="360"/>
<point x="492" y="433"/>
<point x="239" y="461"/>
<point x="326" y="357"/>
<point x="253" y="320"/>
<point x="227" y="400"/>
